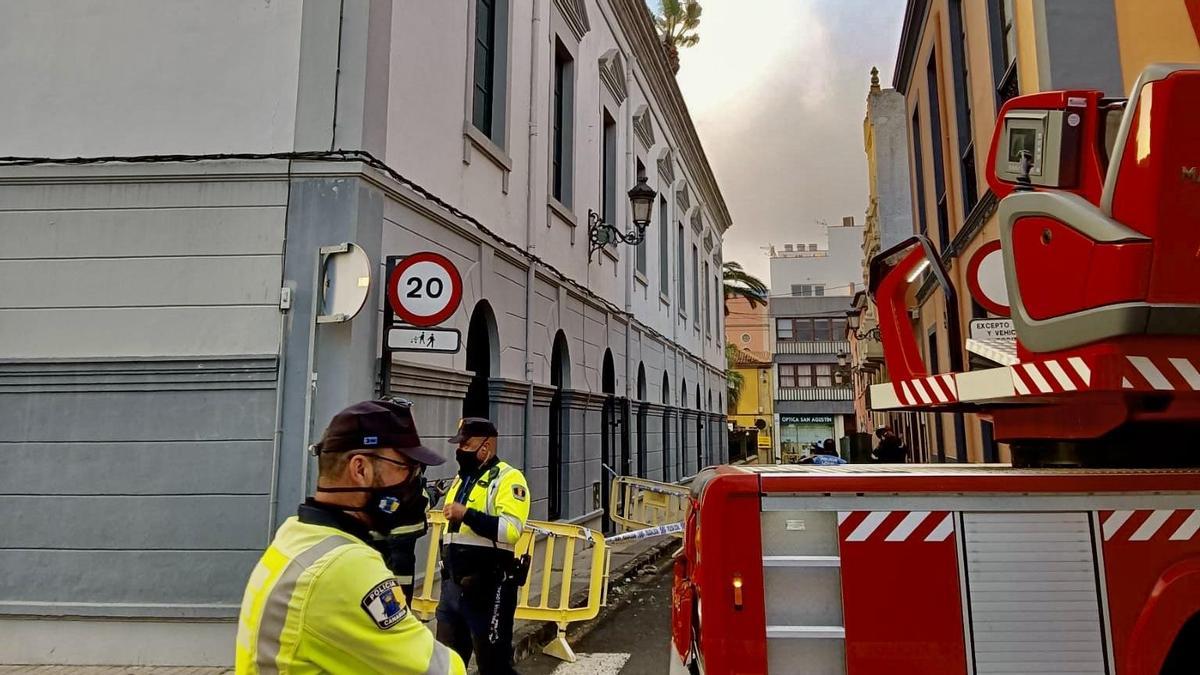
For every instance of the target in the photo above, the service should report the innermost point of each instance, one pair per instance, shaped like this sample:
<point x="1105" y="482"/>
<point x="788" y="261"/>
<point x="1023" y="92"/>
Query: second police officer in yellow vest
<point x="486" y="507"/>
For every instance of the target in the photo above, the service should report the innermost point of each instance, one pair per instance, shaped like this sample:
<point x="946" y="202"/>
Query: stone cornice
<point x="413" y="378"/>
<point x="543" y="395"/>
<point x="612" y="73"/>
<point x="643" y="127"/>
<point x="583" y="400"/>
<point x="575" y="13"/>
<point x="910" y="40"/>
<point x="682" y="199"/>
<point x="148" y="374"/>
<point x="508" y="391"/>
<point x="637" y="24"/>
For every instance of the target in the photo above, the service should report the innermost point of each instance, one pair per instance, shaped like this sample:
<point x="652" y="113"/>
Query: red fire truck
<point x="1084" y="557"/>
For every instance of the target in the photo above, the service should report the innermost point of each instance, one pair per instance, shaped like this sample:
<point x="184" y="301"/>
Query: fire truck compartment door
<point x="1034" y="593"/>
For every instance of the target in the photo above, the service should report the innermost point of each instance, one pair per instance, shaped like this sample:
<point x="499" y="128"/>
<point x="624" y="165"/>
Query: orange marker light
<point x="737" y="591"/>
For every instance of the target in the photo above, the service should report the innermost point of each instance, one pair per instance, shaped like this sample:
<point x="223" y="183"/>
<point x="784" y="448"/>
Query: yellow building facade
<point x="746" y="329"/>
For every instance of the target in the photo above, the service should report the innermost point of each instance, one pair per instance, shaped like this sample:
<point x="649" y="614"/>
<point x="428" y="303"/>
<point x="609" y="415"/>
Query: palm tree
<point x="734" y="379"/>
<point x="739" y="283"/>
<point x="677" y="27"/>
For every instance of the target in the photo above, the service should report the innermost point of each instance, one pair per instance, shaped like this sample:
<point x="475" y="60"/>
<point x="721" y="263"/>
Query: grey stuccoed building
<point x="181" y="165"/>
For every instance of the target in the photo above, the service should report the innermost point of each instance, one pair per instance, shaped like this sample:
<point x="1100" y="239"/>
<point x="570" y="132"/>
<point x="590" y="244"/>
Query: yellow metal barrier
<point x="548" y="544"/>
<point x="638" y="503"/>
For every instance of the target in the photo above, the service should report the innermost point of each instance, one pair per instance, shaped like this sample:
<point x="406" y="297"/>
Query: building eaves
<point x="910" y="38"/>
<point x="637" y="24"/>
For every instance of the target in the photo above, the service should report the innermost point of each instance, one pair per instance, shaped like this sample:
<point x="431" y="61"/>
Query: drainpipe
<point x="630" y="439"/>
<point x="530" y="245"/>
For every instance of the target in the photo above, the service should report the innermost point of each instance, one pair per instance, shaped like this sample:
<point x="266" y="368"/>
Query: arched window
<point x="610" y="436"/>
<point x="483" y="345"/>
<point x="560" y="379"/>
<point x="668" y="422"/>
<point x="711" y="436"/>
<point x="641" y="422"/>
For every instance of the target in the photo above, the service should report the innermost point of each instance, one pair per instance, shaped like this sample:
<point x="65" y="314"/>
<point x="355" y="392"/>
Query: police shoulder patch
<point x="518" y="492"/>
<point x="383" y="606"/>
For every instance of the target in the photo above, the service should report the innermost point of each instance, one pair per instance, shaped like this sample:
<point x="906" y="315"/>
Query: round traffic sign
<point x="985" y="278"/>
<point x="424" y="289"/>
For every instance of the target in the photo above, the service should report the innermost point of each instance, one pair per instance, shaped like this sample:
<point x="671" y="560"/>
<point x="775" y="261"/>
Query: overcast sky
<point x="777" y="89"/>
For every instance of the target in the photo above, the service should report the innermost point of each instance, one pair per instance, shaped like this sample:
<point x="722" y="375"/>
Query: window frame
<point x="811" y="329"/>
<point x="779" y="323"/>
<point x="680" y="271"/>
<point x="919" y="169"/>
<point x="940" y="193"/>
<point x="492" y="142"/>
<point x="664" y="243"/>
<point x="608" y="167"/>
<point x="695" y="285"/>
<point x="562" y="124"/>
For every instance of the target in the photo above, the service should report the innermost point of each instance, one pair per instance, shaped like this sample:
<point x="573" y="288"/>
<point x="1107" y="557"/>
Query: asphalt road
<point x="632" y="641"/>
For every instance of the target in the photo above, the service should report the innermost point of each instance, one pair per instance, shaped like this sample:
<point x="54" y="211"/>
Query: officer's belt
<point x="472" y="539"/>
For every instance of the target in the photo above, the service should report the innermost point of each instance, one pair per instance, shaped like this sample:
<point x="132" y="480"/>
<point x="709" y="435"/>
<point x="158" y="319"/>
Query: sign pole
<point x="389" y="318"/>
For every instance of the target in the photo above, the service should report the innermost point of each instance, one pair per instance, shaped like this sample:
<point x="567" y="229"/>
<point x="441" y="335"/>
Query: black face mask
<point x="391" y="506"/>
<point x="468" y="460"/>
<point x="399" y="505"/>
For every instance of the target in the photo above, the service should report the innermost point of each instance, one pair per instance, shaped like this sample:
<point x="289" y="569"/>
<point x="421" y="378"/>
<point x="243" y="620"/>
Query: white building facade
<point x="812" y="285"/>
<point x="154" y="370"/>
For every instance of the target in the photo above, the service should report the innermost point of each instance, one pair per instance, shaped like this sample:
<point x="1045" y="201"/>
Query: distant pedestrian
<point x="891" y="449"/>
<point x="826" y="453"/>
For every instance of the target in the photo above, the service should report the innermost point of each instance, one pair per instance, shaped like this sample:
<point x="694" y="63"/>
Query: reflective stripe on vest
<point x="494" y="488"/>
<point x="439" y="661"/>
<point x="472" y="539"/>
<point x="275" y="607"/>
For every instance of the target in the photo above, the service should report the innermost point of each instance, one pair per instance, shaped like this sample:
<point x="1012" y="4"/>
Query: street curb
<point x="529" y="640"/>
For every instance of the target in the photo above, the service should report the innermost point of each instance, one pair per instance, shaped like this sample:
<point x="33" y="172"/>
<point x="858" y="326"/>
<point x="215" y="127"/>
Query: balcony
<point x="815" y="394"/>
<point x="871" y="350"/>
<point x="811" y="347"/>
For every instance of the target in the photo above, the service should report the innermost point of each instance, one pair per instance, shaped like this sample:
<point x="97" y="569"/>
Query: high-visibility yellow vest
<point x="320" y="600"/>
<point x="500" y="491"/>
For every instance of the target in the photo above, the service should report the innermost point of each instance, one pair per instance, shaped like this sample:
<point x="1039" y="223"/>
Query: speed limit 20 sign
<point x="424" y="289"/>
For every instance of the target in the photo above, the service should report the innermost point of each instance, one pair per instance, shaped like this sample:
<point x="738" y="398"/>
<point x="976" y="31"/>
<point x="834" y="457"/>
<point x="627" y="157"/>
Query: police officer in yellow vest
<point x="321" y="599"/>
<point x="486" y="508"/>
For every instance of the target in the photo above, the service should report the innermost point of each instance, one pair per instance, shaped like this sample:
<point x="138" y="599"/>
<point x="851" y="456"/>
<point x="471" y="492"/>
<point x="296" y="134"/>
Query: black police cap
<point x="474" y="427"/>
<point x="370" y="425"/>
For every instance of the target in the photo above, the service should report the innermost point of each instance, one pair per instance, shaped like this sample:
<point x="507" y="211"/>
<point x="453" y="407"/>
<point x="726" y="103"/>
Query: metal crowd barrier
<point x="546" y="594"/>
<point x="638" y="503"/>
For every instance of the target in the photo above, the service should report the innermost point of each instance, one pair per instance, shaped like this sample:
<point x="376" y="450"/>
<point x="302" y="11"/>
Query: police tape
<point x="587" y="533"/>
<point x="656" y="531"/>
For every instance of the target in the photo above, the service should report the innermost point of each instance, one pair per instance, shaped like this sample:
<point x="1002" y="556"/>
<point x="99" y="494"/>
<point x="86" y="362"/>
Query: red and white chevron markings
<point x="1150" y="525"/>
<point x="1161" y="373"/>
<point x="1052" y="376"/>
<point x="929" y="390"/>
<point x="895" y="526"/>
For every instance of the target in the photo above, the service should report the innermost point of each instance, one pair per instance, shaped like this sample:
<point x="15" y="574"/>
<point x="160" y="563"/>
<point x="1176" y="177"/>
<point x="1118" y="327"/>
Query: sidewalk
<point x="528" y="637"/>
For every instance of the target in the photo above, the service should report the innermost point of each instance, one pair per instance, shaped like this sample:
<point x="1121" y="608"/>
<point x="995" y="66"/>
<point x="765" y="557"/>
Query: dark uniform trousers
<point x="479" y="619"/>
